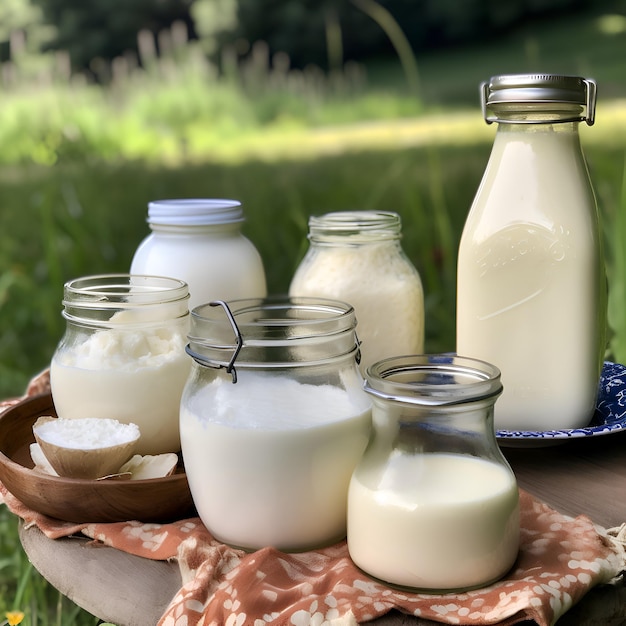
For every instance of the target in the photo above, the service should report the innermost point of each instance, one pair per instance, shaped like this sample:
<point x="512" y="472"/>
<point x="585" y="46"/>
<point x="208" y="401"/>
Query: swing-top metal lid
<point x="539" y="89"/>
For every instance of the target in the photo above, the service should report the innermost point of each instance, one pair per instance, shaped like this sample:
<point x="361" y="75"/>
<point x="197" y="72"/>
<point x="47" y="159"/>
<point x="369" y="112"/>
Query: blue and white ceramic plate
<point x="609" y="417"/>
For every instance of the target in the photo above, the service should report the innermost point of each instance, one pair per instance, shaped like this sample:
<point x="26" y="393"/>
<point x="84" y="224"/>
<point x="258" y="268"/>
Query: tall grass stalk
<point x="398" y="39"/>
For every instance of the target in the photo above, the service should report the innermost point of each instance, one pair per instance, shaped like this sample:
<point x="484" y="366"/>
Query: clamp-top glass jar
<point x="433" y="505"/>
<point x="273" y="420"/>
<point x="531" y="286"/>
<point x="200" y="241"/>
<point x="123" y="354"/>
<point x="356" y="257"/>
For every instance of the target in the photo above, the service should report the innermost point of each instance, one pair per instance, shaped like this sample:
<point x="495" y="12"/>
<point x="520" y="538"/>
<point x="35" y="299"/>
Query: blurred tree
<point x="300" y="27"/>
<point x="322" y="32"/>
<point x="211" y="18"/>
<point x="22" y="24"/>
<point x="108" y="28"/>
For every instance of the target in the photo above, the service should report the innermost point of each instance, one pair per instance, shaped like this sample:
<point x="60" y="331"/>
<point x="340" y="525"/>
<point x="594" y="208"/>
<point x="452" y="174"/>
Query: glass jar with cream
<point x="123" y="354"/>
<point x="273" y="420"/>
<point x="433" y="504"/>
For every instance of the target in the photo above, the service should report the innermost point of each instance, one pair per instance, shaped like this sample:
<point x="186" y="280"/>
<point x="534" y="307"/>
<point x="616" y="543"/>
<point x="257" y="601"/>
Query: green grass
<point x="74" y="221"/>
<point x="288" y="145"/>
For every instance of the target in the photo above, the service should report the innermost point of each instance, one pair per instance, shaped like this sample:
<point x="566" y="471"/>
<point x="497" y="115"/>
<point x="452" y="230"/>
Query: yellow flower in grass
<point x="13" y="618"/>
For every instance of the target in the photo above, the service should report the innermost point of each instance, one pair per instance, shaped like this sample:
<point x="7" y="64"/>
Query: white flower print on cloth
<point x="560" y="559"/>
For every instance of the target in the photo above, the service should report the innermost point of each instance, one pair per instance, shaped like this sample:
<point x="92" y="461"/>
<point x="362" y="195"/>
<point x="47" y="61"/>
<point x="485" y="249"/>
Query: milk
<point x="269" y="459"/>
<point x="134" y="376"/>
<point x="433" y="521"/>
<point x="531" y="292"/>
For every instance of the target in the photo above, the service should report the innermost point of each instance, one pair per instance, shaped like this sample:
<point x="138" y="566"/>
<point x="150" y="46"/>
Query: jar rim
<point x="195" y="212"/>
<point x="97" y="301"/>
<point x="274" y="331"/>
<point x="101" y="290"/>
<point x="433" y="379"/>
<point x="366" y="223"/>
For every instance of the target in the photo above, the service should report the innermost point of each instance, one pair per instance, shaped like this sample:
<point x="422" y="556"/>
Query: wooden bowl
<point x="78" y="499"/>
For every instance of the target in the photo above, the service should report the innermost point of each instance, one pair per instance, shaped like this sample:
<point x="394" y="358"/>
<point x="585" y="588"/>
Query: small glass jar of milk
<point x="273" y="420"/>
<point x="123" y="354"/>
<point x="531" y="286"/>
<point x="433" y="505"/>
<point x="356" y="257"/>
<point x="200" y="241"/>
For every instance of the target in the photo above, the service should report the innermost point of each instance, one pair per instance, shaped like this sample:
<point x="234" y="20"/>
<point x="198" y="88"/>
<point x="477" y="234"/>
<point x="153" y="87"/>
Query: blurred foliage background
<point x="294" y="107"/>
<point x="323" y="32"/>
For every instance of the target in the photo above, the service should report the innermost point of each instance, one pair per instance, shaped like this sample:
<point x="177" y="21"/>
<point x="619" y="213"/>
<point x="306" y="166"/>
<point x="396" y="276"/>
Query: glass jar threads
<point x="273" y="420"/>
<point x="200" y="241"/>
<point x="123" y="354"/>
<point x="356" y="257"/>
<point x="433" y="504"/>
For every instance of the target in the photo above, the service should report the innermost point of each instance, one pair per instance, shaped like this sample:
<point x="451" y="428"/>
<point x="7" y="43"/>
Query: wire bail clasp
<point x="230" y="368"/>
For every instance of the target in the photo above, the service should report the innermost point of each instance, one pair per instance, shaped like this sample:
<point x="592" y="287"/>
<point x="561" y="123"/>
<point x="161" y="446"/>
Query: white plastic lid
<point x="194" y="212"/>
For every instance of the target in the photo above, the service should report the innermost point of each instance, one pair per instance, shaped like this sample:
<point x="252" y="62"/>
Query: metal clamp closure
<point x="230" y="368"/>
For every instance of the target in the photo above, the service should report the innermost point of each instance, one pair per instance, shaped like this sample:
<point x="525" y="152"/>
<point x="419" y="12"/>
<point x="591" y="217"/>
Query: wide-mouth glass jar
<point x="433" y="504"/>
<point x="123" y="354"/>
<point x="273" y="420"/>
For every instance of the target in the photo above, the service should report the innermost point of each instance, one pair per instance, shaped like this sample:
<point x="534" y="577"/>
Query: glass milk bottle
<point x="123" y="355"/>
<point x="531" y="293"/>
<point x="200" y="241"/>
<point x="433" y="505"/>
<point x="356" y="256"/>
<point x="273" y="420"/>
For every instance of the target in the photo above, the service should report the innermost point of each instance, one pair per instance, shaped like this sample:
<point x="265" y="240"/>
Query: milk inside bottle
<point x="531" y="286"/>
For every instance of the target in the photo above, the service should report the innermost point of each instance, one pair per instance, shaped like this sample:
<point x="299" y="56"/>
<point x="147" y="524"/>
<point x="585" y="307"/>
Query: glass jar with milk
<point x="531" y="294"/>
<point x="200" y="241"/>
<point x="433" y="505"/>
<point x="123" y="354"/>
<point x="273" y="420"/>
<point x="356" y="257"/>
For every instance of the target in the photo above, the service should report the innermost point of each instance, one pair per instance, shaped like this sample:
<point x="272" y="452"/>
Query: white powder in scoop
<point x="87" y="433"/>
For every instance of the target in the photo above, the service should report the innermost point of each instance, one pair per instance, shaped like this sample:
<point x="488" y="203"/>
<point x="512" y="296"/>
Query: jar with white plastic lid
<point x="122" y="355"/>
<point x="201" y="242"/>
<point x="531" y="284"/>
<point x="433" y="504"/>
<point x="273" y="420"/>
<point x="356" y="257"/>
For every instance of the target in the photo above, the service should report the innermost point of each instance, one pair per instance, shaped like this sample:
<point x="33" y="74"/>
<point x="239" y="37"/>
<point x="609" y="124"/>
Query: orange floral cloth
<point x="560" y="559"/>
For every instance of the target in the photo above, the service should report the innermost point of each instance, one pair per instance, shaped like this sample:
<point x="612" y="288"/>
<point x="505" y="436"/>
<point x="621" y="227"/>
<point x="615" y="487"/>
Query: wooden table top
<point x="582" y="476"/>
